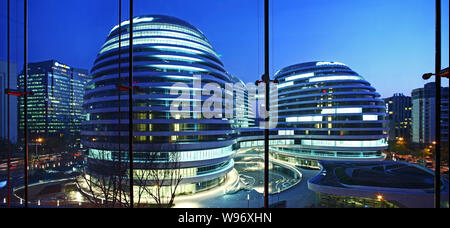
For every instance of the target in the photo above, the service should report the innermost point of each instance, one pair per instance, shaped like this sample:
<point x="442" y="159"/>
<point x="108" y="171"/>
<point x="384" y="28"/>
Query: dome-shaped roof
<point x="309" y="65"/>
<point x="334" y="112"/>
<point x="156" y="18"/>
<point x="166" y="51"/>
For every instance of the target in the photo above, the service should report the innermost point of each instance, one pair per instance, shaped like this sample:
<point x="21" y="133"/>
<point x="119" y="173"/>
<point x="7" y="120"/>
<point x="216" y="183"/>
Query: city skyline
<point x="353" y="41"/>
<point x="163" y="109"/>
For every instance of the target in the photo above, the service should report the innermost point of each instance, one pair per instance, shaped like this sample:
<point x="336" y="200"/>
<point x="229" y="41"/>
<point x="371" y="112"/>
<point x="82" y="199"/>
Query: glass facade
<point x="55" y="108"/>
<point x="167" y="53"/>
<point x="76" y="145"/>
<point x="330" y="112"/>
<point x="399" y="109"/>
<point x="424" y="117"/>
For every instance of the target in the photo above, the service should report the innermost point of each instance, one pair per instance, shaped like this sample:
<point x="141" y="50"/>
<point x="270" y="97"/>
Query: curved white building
<point x="166" y="50"/>
<point x="328" y="112"/>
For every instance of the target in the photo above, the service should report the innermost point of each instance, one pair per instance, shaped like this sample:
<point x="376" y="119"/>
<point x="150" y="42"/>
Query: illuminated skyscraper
<point x="423" y="114"/>
<point x="55" y="109"/>
<point x="399" y="111"/>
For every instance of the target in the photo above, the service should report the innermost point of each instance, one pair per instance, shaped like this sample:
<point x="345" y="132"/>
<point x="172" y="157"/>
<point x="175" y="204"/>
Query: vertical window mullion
<point x="120" y="116"/>
<point x="130" y="103"/>
<point x="8" y="57"/>
<point x="25" y="67"/>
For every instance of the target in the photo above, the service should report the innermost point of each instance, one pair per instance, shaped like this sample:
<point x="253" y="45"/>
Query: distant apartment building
<point x="399" y="108"/>
<point x="55" y="109"/>
<point x="4" y="101"/>
<point x="423" y="114"/>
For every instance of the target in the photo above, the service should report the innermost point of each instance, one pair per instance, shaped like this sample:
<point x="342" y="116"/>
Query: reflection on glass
<point x="355" y="122"/>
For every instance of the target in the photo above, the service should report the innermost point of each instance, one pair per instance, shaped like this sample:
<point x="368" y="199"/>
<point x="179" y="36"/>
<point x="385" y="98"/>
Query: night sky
<point x="389" y="42"/>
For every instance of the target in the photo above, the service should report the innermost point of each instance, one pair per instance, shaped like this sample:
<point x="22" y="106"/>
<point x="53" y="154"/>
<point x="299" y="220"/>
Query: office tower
<point x="423" y="114"/>
<point x="328" y="112"/>
<point x="399" y="108"/>
<point x="55" y="108"/>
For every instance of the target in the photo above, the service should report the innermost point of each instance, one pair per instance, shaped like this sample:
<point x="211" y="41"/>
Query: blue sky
<point x="389" y="42"/>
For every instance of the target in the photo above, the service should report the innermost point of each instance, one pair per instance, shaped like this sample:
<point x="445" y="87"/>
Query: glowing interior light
<point x="329" y="63"/>
<point x="286" y="132"/>
<point x="175" y="57"/>
<point x="291" y="119"/>
<point x="174" y="34"/>
<point x="334" y="78"/>
<point x="285" y="84"/>
<point x="170" y="41"/>
<point x="300" y="76"/>
<point x="178" y="67"/>
<point x="304" y="119"/>
<point x="346" y="143"/>
<point x="370" y="117"/>
<point x="185" y="50"/>
<point x="309" y="118"/>
<point x="341" y="110"/>
<point x="179" y="77"/>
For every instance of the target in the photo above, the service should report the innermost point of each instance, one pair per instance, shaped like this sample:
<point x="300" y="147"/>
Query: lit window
<point x="341" y="110"/>
<point x="285" y="85"/>
<point x="299" y="76"/>
<point x="333" y="78"/>
<point x="370" y="117"/>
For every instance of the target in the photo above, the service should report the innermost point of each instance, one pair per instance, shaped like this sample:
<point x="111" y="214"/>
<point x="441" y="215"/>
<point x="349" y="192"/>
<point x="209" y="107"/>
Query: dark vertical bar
<point x="25" y="103"/>
<point x="267" y="82"/>
<point x="437" y="170"/>
<point x="9" y="109"/>
<point x="130" y="103"/>
<point x="119" y="84"/>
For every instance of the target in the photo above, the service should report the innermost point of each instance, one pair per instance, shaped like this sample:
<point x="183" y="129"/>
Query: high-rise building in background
<point x="399" y="108"/>
<point x="4" y="101"/>
<point x="166" y="50"/>
<point x="423" y="114"/>
<point x="328" y="112"/>
<point x="55" y="109"/>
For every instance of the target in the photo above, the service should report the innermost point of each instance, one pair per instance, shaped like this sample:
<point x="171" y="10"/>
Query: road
<point x="298" y="196"/>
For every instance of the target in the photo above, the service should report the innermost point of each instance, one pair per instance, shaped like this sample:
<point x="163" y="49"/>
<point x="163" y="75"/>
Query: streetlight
<point x="248" y="200"/>
<point x="439" y="73"/>
<point x="38" y="141"/>
<point x="443" y="74"/>
<point x="380" y="197"/>
<point x="278" y="194"/>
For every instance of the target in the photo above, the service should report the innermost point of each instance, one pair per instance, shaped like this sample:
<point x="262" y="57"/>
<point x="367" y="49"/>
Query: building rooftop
<point x="406" y="184"/>
<point x="386" y="174"/>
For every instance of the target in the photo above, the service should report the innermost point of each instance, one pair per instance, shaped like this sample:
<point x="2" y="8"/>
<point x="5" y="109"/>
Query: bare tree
<point x="159" y="178"/>
<point x="156" y="179"/>
<point x="101" y="184"/>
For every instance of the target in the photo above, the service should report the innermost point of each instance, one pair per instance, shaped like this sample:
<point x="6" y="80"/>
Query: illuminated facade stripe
<point x="170" y="41"/>
<point x="159" y="33"/>
<point x="333" y="113"/>
<point x="170" y="51"/>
